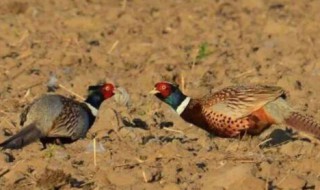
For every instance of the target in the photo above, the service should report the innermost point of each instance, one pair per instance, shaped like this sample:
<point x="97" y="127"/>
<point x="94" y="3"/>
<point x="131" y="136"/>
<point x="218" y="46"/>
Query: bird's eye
<point x="107" y="88"/>
<point x="163" y="87"/>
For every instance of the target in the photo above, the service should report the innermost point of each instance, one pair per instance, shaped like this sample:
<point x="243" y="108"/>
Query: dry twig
<point x="114" y="45"/>
<point x="4" y="172"/>
<point x="173" y="130"/>
<point x="71" y="92"/>
<point x="94" y="152"/>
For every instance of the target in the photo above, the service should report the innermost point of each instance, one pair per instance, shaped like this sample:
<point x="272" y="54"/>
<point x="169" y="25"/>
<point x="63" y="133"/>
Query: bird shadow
<point x="280" y="137"/>
<point x="54" y="140"/>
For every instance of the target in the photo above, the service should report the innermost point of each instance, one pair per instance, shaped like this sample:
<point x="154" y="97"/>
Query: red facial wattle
<point x="164" y="89"/>
<point x="107" y="90"/>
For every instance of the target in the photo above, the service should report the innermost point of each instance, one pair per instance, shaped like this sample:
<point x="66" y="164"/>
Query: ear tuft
<point x="93" y="88"/>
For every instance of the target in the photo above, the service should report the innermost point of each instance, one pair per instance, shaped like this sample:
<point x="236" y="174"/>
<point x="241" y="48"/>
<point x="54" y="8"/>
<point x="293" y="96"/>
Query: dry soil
<point x="203" y="45"/>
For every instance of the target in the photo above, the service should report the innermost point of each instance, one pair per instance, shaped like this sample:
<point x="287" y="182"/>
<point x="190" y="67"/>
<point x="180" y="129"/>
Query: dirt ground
<point x="202" y="44"/>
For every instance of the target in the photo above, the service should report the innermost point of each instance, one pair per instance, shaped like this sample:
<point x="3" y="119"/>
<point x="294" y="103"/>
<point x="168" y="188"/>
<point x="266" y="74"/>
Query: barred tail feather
<point x="303" y="123"/>
<point x="24" y="137"/>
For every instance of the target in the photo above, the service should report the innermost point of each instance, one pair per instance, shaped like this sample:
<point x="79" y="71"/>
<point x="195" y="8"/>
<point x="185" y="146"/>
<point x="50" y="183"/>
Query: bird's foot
<point x="58" y="142"/>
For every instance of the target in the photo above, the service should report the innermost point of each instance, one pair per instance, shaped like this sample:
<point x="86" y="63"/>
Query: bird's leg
<point x="58" y="142"/>
<point x="44" y="144"/>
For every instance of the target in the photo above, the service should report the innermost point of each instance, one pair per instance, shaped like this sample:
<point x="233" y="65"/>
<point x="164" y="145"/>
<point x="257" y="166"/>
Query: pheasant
<point x="236" y="110"/>
<point x="55" y="117"/>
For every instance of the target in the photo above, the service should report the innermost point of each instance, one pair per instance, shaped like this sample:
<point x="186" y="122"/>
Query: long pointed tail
<point x="303" y="123"/>
<point x="24" y="137"/>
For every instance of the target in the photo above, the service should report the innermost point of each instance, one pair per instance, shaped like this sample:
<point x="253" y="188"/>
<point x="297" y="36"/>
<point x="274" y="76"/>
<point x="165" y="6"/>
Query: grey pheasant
<point x="55" y="117"/>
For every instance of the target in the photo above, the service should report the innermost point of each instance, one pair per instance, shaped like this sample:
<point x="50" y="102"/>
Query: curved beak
<point x="154" y="91"/>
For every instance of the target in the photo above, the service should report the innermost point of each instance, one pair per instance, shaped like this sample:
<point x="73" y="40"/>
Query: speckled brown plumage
<point x="237" y="109"/>
<point x="233" y="110"/>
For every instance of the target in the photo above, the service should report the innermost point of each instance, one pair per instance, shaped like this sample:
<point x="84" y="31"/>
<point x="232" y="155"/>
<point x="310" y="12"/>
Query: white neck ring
<point x="183" y="105"/>
<point x="93" y="110"/>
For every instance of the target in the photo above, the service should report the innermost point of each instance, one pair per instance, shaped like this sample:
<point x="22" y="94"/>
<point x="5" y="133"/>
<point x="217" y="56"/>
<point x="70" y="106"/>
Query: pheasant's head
<point x="163" y="90"/>
<point x="169" y="93"/>
<point x="106" y="90"/>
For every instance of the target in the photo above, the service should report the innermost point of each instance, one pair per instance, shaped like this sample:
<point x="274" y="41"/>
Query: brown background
<point x="136" y="43"/>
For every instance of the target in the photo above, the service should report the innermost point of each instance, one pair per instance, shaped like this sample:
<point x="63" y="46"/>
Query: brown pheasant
<point x="236" y="110"/>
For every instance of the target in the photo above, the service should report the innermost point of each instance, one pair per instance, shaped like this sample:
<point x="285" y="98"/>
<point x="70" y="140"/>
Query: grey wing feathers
<point x="62" y="117"/>
<point x="70" y="122"/>
<point x="23" y="115"/>
<point x="50" y="116"/>
<point x="25" y="112"/>
<point x="42" y="111"/>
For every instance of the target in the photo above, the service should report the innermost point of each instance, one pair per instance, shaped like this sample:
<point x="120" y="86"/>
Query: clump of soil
<point x="52" y="179"/>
